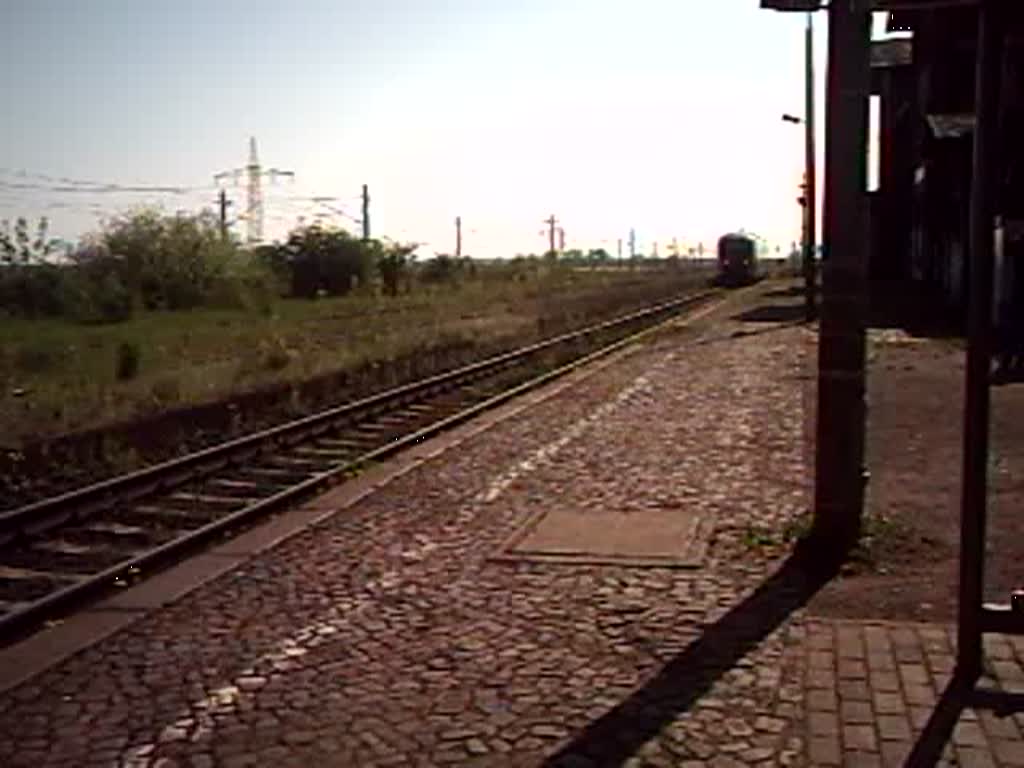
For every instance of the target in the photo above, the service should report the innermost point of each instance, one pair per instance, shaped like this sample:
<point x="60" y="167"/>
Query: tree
<point x="30" y="283"/>
<point x="317" y="258"/>
<point x="17" y="246"/>
<point x="166" y="262"/>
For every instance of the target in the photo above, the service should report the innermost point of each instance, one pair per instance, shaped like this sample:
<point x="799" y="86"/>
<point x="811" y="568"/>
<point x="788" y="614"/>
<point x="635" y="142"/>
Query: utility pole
<point x="654" y="253"/>
<point x="632" y="243"/>
<point x="810" y="190"/>
<point x="619" y="251"/>
<point x="551" y="222"/>
<point x="561" y="239"/>
<point x="223" y="203"/>
<point x="366" y="212"/>
<point x="458" y="237"/>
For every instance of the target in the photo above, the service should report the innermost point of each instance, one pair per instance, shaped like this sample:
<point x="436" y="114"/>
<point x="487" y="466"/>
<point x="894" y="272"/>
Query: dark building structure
<point x="920" y="213"/>
<point x="946" y="222"/>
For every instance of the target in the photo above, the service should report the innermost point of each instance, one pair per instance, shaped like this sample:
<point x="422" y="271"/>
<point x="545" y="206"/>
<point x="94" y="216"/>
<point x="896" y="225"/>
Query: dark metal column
<point x="839" y="475"/>
<point x="811" y="190"/>
<point x="979" y="346"/>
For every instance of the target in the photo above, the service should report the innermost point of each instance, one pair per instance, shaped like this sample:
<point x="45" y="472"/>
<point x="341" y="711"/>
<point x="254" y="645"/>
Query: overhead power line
<point x="67" y="184"/>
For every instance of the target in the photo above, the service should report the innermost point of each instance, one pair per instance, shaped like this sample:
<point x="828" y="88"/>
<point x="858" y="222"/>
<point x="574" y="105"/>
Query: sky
<point x="657" y="115"/>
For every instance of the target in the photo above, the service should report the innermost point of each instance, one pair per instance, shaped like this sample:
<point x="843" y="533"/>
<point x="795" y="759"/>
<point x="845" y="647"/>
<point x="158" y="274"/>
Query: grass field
<point x="58" y="377"/>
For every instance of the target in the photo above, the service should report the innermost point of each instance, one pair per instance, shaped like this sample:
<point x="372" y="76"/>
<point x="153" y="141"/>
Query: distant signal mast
<point x="254" y="174"/>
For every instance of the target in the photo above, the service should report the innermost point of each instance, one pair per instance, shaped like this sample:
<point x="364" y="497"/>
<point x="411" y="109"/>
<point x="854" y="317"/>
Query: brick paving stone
<point x="822" y="723"/>
<point x="972" y="757"/>
<point x="920" y="695"/>
<point x="820" y="678"/>
<point x="881" y="662"/>
<point x="859" y="738"/>
<point x="849" y="643"/>
<point x="850" y="669"/>
<point x="914" y="674"/>
<point x="877" y="641"/>
<point x="919" y="717"/>
<point x="888" y="703"/>
<point x="967" y="734"/>
<point x="997" y="647"/>
<point x="894" y="753"/>
<point x="824" y="750"/>
<point x="1008" y="752"/>
<point x="822" y="701"/>
<point x="821" y="660"/>
<point x="856" y="712"/>
<point x="858" y="759"/>
<point x="893" y="727"/>
<point x="854" y="690"/>
<point x="1002" y="728"/>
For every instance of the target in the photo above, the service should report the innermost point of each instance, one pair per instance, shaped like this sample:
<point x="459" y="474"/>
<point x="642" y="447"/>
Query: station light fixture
<point x="792" y="5"/>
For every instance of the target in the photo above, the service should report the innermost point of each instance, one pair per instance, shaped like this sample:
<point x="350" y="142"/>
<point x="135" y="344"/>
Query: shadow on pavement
<point x="786" y="293"/>
<point x="616" y="736"/>
<point x="772" y="313"/>
<point x="958" y="696"/>
<point x="899" y="305"/>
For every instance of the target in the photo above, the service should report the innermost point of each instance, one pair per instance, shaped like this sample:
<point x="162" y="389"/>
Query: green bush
<point x="168" y="262"/>
<point x="141" y="259"/>
<point x="394" y="262"/>
<point x="316" y="259"/>
<point x="128" y="357"/>
<point x="443" y="269"/>
<point x="275" y="355"/>
<point x="93" y="292"/>
<point x="38" y="356"/>
<point x="166" y="391"/>
<point x="111" y="300"/>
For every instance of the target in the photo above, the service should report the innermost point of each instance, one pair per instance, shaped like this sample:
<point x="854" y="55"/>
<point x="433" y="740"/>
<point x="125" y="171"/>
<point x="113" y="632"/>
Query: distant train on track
<point x="737" y="260"/>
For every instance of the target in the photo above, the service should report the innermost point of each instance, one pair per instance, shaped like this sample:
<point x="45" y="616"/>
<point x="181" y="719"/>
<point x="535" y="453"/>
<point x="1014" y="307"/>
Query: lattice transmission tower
<point x="254" y="174"/>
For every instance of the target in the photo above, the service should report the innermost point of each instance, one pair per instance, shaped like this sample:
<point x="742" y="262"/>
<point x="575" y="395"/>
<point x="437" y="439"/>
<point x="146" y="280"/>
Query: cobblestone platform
<point x="394" y="633"/>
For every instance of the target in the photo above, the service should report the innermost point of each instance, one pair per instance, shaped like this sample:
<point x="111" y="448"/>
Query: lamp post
<point x="810" y="192"/>
<point x="810" y="174"/>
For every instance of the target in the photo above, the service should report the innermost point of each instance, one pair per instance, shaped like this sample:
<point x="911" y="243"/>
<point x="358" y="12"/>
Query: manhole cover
<point x="658" y="537"/>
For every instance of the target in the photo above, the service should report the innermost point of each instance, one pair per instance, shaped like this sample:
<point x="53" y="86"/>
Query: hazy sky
<point x="663" y="115"/>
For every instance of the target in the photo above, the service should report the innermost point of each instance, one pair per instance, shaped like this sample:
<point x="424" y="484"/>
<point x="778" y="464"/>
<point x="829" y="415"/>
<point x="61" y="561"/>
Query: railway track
<point x="58" y="553"/>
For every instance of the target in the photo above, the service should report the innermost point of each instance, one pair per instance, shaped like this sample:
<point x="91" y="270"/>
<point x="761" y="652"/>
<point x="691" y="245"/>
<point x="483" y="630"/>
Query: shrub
<point x="168" y="262"/>
<point x="166" y="391"/>
<point x="275" y="355"/>
<point x="128" y="356"/>
<point x="38" y="356"/>
<point x="94" y="292"/>
<point x="393" y="262"/>
<point x="316" y="259"/>
<point x="441" y="269"/>
<point x="247" y="283"/>
<point x="111" y="300"/>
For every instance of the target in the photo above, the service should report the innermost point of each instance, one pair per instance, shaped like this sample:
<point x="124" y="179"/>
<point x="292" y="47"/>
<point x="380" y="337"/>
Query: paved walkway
<point x="401" y="630"/>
